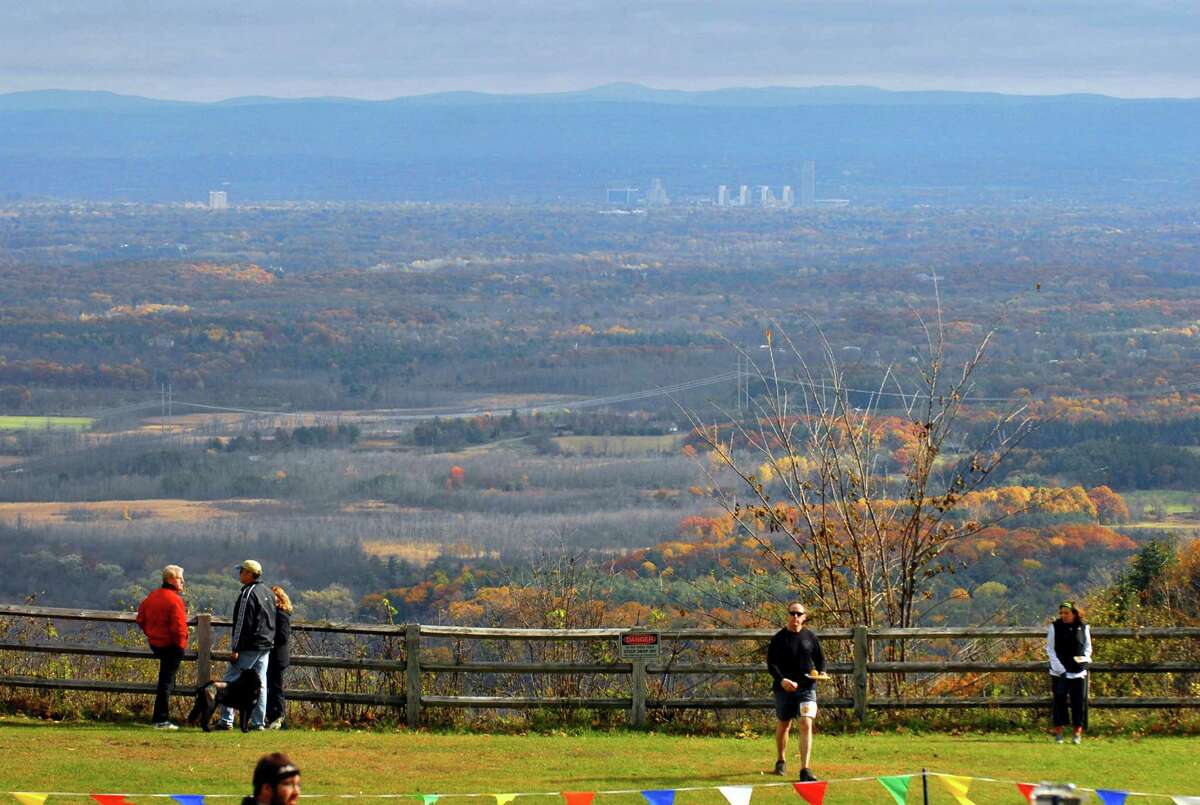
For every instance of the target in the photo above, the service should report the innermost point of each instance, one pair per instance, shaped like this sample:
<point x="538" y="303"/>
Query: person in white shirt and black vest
<point x="1069" y="646"/>
<point x="795" y="661"/>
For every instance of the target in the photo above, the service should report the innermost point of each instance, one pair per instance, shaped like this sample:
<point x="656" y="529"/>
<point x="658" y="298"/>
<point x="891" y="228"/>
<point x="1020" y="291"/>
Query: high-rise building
<point x="765" y="197"/>
<point x="743" y="195"/>
<point x="657" y="197"/>
<point x="217" y="200"/>
<point x="622" y="196"/>
<point x="808" y="184"/>
<point x="722" y="195"/>
<point x="787" y="200"/>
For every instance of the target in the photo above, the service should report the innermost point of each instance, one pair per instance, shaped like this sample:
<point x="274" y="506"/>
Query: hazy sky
<point x="211" y="49"/>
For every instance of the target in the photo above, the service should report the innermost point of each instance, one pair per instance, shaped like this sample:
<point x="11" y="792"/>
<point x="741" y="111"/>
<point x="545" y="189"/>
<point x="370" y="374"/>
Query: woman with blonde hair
<point x="280" y="659"/>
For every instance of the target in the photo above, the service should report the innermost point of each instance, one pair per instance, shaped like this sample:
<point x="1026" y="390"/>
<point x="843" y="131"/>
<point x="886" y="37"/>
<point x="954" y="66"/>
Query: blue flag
<point x="1112" y="797"/>
<point x="665" y="796"/>
<point x="188" y="799"/>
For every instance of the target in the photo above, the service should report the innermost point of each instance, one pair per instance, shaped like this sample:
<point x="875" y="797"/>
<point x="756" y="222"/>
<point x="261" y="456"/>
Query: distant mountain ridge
<point x="871" y="146"/>
<point x="60" y="99"/>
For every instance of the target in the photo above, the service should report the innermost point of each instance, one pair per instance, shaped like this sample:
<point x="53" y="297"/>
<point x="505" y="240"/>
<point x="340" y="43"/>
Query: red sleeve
<point x="141" y="616"/>
<point x="180" y="624"/>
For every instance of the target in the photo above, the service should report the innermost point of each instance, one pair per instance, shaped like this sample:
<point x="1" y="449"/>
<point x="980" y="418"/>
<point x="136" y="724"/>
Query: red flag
<point x="111" y="799"/>
<point x="813" y="793"/>
<point x="1027" y="790"/>
<point x="579" y="797"/>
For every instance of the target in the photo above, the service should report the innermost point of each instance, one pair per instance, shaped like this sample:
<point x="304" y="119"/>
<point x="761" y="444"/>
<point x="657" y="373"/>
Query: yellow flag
<point x="504" y="799"/>
<point x="958" y="788"/>
<point x="29" y="799"/>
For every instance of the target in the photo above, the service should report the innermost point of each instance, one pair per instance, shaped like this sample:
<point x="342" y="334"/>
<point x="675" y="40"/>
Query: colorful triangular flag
<point x="897" y="786"/>
<point x="579" y="797"/>
<point x="429" y="799"/>
<point x="813" y="793"/>
<point x="958" y="787"/>
<point x="27" y="798"/>
<point x="504" y="799"/>
<point x="1110" y="797"/>
<point x="188" y="799"/>
<point x="1186" y="800"/>
<point x="736" y="794"/>
<point x="1026" y="790"/>
<point x="660" y="796"/>
<point x="110" y="799"/>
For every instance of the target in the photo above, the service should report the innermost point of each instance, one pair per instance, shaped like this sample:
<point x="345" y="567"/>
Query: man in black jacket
<point x="796" y="662"/>
<point x="252" y="639"/>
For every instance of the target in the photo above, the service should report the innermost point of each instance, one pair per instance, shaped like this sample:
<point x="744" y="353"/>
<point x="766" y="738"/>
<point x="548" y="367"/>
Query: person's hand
<point x="233" y="656"/>
<point x="815" y="674"/>
<point x="789" y="685"/>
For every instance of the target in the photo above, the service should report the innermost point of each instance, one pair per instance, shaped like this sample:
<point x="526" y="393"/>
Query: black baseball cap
<point x="273" y="769"/>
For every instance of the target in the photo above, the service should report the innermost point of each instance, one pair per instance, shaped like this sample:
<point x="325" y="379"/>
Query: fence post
<point x="412" y="675"/>
<point x="204" y="644"/>
<point x="862" y="653"/>
<point x="637" y="709"/>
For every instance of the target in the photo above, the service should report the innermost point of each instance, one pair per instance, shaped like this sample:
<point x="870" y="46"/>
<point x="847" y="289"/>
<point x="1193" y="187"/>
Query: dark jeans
<point x="276" y="703"/>
<point x="169" y="658"/>
<point x="1074" y="690"/>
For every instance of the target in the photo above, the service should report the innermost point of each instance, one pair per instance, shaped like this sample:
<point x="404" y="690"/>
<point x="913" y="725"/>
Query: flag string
<point x="608" y="792"/>
<point x="1014" y="782"/>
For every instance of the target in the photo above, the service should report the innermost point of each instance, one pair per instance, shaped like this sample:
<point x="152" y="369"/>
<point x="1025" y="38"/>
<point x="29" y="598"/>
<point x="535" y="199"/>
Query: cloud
<point x="370" y="48"/>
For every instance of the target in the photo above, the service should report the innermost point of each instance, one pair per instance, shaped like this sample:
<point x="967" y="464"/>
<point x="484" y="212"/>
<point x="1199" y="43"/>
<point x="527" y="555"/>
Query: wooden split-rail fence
<point x="415" y="670"/>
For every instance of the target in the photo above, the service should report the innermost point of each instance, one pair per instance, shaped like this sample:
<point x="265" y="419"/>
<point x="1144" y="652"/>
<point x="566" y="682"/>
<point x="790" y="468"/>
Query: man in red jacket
<point x="163" y="617"/>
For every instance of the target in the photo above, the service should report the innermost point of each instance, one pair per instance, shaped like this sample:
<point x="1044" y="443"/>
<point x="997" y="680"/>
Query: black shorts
<point x="801" y="702"/>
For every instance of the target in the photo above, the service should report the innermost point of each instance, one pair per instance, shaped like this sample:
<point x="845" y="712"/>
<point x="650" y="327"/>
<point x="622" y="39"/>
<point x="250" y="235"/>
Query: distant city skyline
<point x="372" y="50"/>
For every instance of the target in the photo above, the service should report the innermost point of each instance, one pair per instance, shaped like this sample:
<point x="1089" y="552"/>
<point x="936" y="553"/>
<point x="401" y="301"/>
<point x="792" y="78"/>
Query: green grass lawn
<point x="45" y="422"/>
<point x="138" y="760"/>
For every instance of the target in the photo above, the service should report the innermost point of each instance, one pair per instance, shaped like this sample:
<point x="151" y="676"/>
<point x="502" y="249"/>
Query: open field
<point x="620" y="445"/>
<point x="45" y="422"/>
<point x="135" y="759"/>
<point x="163" y="509"/>
<point x="419" y="553"/>
<point x="1171" y="501"/>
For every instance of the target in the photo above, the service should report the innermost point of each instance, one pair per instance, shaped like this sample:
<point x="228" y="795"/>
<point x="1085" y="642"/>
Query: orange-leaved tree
<point x="813" y="475"/>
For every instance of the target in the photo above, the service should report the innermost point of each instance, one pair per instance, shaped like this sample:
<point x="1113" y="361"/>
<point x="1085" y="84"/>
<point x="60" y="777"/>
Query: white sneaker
<point x="165" y="725"/>
<point x="277" y="724"/>
<point x="1077" y="740"/>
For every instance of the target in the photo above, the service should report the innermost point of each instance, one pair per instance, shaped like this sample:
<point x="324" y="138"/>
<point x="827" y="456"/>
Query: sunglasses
<point x="797" y="614"/>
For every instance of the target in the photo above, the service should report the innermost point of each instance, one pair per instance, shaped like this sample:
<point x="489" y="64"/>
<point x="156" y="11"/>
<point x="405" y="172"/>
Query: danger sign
<point x="639" y="646"/>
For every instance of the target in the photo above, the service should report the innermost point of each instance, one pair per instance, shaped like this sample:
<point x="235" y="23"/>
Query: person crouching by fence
<point x="162" y="616"/>
<point x="276" y="781"/>
<point x="280" y="659"/>
<point x="1069" y="646"/>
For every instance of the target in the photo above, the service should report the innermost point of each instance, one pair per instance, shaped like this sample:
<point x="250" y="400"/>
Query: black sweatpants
<point x="276" y="703"/>
<point x="1074" y="690"/>
<point x="169" y="658"/>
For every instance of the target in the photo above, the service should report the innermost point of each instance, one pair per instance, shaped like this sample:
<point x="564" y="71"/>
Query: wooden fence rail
<point x="414" y="668"/>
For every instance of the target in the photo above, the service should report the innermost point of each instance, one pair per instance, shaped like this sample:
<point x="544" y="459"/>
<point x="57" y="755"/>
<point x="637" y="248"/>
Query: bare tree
<point x="860" y="533"/>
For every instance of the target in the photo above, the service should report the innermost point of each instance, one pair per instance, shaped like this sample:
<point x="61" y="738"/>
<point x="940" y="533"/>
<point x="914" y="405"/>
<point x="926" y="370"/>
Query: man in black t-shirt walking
<point x="795" y="661"/>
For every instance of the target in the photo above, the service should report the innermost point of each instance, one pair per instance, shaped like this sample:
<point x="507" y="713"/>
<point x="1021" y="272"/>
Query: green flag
<point x="897" y="786"/>
<point x="429" y="799"/>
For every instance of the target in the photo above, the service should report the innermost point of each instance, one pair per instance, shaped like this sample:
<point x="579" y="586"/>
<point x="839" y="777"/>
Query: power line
<point x="740" y="375"/>
<point x="1129" y="395"/>
<point x="461" y="413"/>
